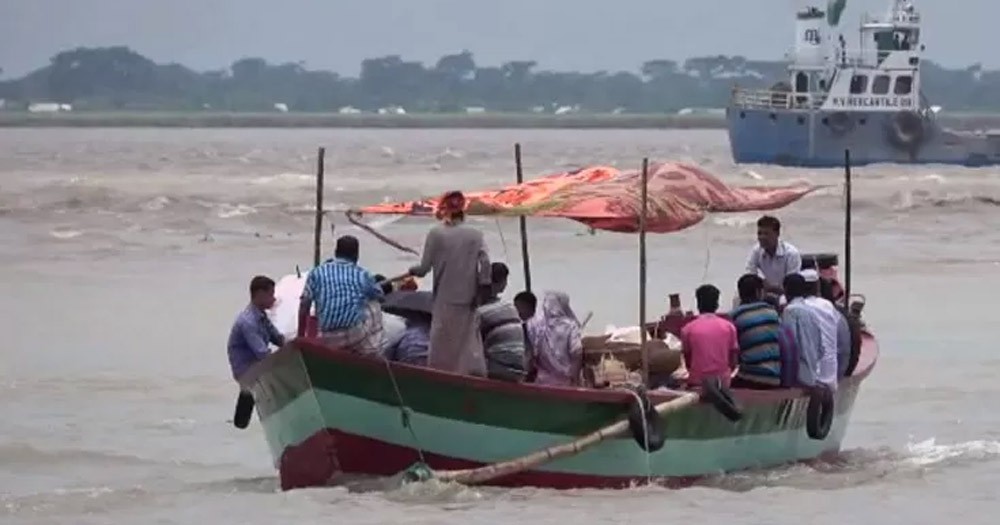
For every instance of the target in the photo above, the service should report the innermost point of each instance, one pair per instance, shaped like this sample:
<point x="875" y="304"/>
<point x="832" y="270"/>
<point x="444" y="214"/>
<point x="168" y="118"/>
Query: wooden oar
<point x="506" y="468"/>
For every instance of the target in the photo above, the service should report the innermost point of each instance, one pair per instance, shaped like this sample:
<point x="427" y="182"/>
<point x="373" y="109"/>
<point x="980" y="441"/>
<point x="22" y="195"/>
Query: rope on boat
<point x="645" y="436"/>
<point x="404" y="413"/>
<point x="354" y="217"/>
<point x="503" y="242"/>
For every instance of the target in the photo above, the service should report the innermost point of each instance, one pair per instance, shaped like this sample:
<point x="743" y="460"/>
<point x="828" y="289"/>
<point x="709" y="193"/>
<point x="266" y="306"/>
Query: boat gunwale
<point x="312" y="346"/>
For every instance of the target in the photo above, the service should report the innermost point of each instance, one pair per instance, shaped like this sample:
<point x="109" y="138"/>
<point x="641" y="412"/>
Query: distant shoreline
<point x="411" y="121"/>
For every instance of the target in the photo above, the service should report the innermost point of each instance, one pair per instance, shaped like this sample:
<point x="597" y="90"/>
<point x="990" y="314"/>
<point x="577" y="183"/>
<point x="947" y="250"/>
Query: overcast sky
<point x="584" y="35"/>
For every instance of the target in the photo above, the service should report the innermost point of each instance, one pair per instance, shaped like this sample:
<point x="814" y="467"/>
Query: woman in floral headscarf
<point x="456" y="253"/>
<point x="556" y="341"/>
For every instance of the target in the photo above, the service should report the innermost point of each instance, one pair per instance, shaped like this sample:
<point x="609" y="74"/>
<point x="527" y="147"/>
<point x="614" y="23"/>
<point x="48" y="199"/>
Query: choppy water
<point x="126" y="253"/>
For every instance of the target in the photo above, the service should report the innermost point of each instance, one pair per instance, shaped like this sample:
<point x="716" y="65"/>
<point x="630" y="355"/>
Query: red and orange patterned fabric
<point x="605" y="198"/>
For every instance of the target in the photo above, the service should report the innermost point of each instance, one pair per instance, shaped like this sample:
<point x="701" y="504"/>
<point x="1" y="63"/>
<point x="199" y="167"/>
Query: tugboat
<point x="868" y="101"/>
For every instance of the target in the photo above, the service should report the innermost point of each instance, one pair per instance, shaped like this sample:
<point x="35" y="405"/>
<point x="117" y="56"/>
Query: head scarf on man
<point x="452" y="207"/>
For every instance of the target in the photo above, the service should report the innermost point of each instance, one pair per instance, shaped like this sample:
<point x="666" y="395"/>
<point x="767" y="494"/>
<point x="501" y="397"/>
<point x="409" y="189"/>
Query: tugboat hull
<point x="818" y="139"/>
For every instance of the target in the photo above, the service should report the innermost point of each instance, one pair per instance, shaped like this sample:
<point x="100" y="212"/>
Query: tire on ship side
<point x="840" y="123"/>
<point x="644" y="423"/>
<point x="906" y="131"/>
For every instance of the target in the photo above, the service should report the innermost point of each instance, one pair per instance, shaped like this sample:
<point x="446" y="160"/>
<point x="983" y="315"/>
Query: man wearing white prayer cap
<point x="835" y="334"/>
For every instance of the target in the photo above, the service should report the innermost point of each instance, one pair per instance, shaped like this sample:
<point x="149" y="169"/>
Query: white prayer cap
<point x="810" y="275"/>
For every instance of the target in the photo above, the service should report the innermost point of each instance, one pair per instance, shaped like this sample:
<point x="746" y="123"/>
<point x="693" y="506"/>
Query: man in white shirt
<point x="835" y="333"/>
<point x="772" y="258"/>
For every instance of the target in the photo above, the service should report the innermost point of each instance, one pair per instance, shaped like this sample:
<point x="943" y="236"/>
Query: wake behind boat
<point x="327" y="412"/>
<point x="868" y="100"/>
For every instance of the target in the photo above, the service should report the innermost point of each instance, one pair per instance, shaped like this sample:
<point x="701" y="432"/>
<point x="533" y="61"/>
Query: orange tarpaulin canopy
<point x="605" y="198"/>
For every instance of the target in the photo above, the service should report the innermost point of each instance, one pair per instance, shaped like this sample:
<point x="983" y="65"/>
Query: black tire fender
<point x="840" y="123"/>
<point x="819" y="414"/>
<point x="717" y="395"/>
<point x="644" y="423"/>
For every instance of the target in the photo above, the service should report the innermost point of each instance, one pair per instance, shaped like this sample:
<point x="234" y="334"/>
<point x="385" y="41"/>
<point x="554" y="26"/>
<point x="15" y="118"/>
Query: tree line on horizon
<point x="118" y="78"/>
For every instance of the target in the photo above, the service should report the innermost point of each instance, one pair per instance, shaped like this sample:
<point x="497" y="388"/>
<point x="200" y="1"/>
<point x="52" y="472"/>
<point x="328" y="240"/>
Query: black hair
<point x="526" y="298"/>
<point x="385" y="285"/>
<point x="347" y="248"/>
<point x="707" y="297"/>
<point x="795" y="286"/>
<point x="750" y="286"/>
<point x="826" y="289"/>
<point x="261" y="283"/>
<point x="499" y="272"/>
<point x="769" y="222"/>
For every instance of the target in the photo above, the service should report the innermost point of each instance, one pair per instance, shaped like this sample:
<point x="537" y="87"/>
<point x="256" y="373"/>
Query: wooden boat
<point x="327" y="412"/>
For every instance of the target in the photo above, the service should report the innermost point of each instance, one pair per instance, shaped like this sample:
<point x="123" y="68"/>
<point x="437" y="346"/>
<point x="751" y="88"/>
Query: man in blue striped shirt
<point x="757" y="327"/>
<point x="347" y="301"/>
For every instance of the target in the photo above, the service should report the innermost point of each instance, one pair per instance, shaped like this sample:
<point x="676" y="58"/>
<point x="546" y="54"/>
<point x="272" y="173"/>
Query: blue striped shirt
<point x="757" y="326"/>
<point x="341" y="290"/>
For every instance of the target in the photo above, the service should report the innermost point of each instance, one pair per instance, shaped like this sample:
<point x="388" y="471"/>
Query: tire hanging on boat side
<point x="819" y="414"/>
<point x="713" y="391"/>
<point x="839" y="123"/>
<point x="644" y="423"/>
<point x="906" y="132"/>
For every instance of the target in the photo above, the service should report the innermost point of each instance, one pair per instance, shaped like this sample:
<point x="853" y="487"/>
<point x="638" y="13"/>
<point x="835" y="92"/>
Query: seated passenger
<point x="845" y="367"/>
<point x="411" y="348"/>
<point x="756" y="324"/>
<point x="836" y="335"/>
<point x="503" y="336"/>
<point x="556" y="342"/>
<point x="525" y="303"/>
<point x="800" y="329"/>
<point x="347" y="301"/>
<point x="709" y="342"/>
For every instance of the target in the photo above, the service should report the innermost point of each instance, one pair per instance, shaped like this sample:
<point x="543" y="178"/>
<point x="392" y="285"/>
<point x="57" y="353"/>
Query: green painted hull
<point x="325" y="411"/>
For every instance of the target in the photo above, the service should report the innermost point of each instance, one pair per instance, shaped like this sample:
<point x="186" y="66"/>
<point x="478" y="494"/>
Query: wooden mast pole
<point x="523" y="223"/>
<point x="642" y="270"/>
<point x="318" y="228"/>
<point x="847" y="227"/>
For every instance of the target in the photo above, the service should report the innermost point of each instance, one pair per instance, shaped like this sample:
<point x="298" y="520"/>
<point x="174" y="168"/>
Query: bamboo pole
<point x="847" y="227"/>
<point x="318" y="228"/>
<point x="642" y="270"/>
<point x="523" y="223"/>
<point x="506" y="468"/>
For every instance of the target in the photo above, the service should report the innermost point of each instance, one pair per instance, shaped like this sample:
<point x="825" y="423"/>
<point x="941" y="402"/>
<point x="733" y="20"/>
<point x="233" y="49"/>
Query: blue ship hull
<point x="805" y="138"/>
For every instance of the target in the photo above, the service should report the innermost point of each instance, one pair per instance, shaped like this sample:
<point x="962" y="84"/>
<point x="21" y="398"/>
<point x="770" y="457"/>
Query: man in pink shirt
<point x="710" y="345"/>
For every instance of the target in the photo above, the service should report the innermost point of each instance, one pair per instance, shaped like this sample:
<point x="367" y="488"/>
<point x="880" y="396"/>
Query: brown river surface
<point x="126" y="254"/>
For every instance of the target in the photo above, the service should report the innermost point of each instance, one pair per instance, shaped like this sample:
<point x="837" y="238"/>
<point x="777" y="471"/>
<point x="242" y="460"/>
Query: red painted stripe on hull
<point x="318" y="459"/>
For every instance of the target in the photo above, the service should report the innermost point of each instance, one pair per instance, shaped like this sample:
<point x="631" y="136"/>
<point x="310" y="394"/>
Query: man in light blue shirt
<point x="252" y="330"/>
<point x="772" y="258"/>
<point x="803" y="324"/>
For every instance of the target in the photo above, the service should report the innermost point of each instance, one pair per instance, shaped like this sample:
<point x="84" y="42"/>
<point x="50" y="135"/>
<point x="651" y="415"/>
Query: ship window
<point x="859" y="84"/>
<point x="904" y="84"/>
<point x="880" y="86"/>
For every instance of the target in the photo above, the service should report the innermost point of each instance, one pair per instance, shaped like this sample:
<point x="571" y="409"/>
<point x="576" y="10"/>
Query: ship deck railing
<point x="769" y="99"/>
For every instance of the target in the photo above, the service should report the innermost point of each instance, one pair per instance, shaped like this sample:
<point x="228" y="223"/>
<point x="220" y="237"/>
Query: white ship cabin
<point x="882" y="75"/>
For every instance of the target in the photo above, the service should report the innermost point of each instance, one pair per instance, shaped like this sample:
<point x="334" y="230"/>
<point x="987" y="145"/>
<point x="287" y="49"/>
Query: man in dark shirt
<point x="503" y="337"/>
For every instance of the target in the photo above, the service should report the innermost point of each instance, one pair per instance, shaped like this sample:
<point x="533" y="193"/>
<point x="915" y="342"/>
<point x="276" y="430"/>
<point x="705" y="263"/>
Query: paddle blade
<point x="244" y="410"/>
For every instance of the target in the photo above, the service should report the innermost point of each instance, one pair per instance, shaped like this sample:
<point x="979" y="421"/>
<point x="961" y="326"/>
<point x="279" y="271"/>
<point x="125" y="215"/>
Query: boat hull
<point x="327" y="412"/>
<point x="803" y="138"/>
